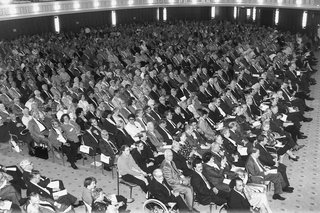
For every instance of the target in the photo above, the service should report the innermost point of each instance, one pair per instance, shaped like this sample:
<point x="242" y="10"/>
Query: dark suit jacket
<point x="164" y="136"/>
<point x="181" y="163"/>
<point x="123" y="139"/>
<point x="91" y="141"/>
<point x="265" y="156"/>
<point x="237" y="203"/>
<point x="203" y="194"/>
<point x="163" y="194"/>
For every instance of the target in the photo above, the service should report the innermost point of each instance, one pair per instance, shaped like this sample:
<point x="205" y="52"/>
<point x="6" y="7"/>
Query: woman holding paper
<point x="129" y="170"/>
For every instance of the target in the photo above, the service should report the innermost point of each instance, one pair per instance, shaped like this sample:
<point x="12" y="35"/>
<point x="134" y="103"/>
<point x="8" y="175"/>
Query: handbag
<point x="41" y="151"/>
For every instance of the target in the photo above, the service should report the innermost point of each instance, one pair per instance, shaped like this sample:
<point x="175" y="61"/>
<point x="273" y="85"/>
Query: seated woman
<point x="36" y="205"/>
<point x="255" y="193"/>
<point x="129" y="170"/>
<point x="103" y="203"/>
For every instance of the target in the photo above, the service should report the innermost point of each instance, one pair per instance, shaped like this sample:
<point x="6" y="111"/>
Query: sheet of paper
<point x="6" y="205"/>
<point x="243" y="150"/>
<point x="183" y="98"/>
<point x="291" y="109"/>
<point x="264" y="107"/>
<point x="53" y="185"/>
<point x="273" y="171"/>
<point x="167" y="147"/>
<point x="284" y="118"/>
<point x="226" y="181"/>
<point x="256" y="123"/>
<point x="84" y="149"/>
<point x="60" y="193"/>
<point x="235" y="168"/>
<point x="105" y="159"/>
<point x="11" y="168"/>
<point x="219" y="126"/>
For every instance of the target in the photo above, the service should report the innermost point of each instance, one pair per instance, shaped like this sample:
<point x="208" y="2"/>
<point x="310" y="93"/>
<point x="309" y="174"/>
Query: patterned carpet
<point x="304" y="175"/>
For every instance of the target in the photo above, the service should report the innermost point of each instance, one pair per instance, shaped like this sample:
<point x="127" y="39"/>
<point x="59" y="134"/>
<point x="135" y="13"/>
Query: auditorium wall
<point x="289" y="19"/>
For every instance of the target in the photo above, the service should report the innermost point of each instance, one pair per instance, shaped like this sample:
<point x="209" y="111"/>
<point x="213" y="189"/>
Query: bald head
<point x="158" y="175"/>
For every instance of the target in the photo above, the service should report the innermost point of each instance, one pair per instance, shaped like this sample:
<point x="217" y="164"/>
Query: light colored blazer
<point x="171" y="173"/>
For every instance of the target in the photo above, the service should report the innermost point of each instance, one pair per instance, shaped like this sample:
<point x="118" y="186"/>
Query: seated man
<point x="49" y="193"/>
<point x="143" y="158"/>
<point x="238" y="202"/>
<point x="205" y="193"/>
<point x="180" y="160"/>
<point x="19" y="131"/>
<point x="16" y="177"/>
<point x="27" y="168"/>
<point x="108" y="148"/>
<point x="38" y="130"/>
<point x="36" y="203"/>
<point x="259" y="173"/>
<point x="214" y="173"/>
<point x="175" y="179"/>
<point x="161" y="190"/>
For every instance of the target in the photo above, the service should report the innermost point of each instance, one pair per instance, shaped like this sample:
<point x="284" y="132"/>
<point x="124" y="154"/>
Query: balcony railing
<point x="26" y="9"/>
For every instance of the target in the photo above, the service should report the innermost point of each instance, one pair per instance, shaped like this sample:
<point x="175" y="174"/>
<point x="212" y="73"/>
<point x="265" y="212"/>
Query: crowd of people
<point x="210" y="108"/>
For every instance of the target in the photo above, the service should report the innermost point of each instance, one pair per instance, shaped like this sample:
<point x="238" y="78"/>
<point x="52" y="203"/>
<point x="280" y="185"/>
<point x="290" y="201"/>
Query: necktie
<point x="260" y="165"/>
<point x="205" y="180"/>
<point x="114" y="148"/>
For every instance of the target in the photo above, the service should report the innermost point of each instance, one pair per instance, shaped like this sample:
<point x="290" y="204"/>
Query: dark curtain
<point x="29" y="26"/>
<point x="266" y="17"/>
<point x="290" y="20"/>
<point x="224" y="13"/>
<point x="136" y="15"/>
<point x="188" y="13"/>
<point x="74" y="22"/>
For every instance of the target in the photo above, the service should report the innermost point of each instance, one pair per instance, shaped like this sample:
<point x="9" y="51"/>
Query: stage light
<point x="113" y="18"/>
<point x="36" y="8"/>
<point x="194" y="1"/>
<point x="56" y="6"/>
<point x="276" y="17"/>
<point x="158" y="14"/>
<point x="171" y="1"/>
<point x="248" y="12"/>
<point x="76" y="5"/>
<point x="299" y="2"/>
<point x="13" y="10"/>
<point x="235" y="12"/>
<point x="150" y="1"/>
<point x="213" y="12"/>
<point x="96" y="4"/>
<point x="130" y="2"/>
<point x="164" y="14"/>
<point x="304" y="19"/>
<point x="5" y="2"/>
<point x="254" y="14"/>
<point x="113" y="3"/>
<point x="57" y="24"/>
